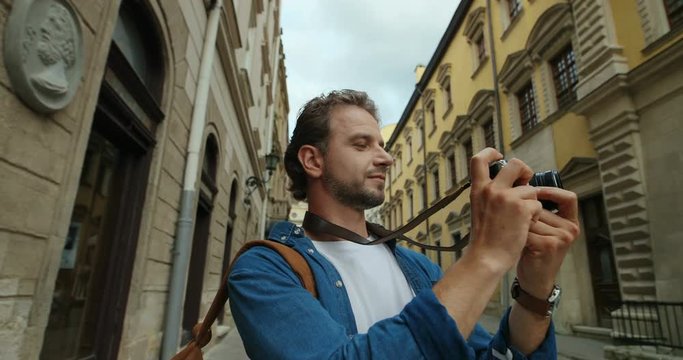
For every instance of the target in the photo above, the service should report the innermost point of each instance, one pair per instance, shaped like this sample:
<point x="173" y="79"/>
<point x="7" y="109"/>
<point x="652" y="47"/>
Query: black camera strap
<point x="316" y="224"/>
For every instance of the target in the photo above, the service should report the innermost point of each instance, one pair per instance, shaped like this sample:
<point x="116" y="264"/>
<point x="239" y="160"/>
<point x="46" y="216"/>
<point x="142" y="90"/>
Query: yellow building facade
<point x="591" y="88"/>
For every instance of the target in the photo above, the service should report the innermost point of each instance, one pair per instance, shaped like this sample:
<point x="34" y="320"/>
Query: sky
<point x="370" y="45"/>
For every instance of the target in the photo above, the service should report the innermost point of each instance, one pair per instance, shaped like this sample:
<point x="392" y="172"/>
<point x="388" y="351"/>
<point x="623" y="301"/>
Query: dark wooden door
<point x="604" y="277"/>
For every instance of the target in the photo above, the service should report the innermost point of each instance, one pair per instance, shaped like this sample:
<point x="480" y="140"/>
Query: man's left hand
<point x="550" y="236"/>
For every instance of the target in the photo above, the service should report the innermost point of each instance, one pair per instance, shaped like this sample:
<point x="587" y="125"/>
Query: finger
<point x="550" y="224"/>
<point x="479" y="165"/>
<point x="542" y="226"/>
<point x="515" y="171"/>
<point x="525" y="192"/>
<point x="567" y="203"/>
<point x="543" y="244"/>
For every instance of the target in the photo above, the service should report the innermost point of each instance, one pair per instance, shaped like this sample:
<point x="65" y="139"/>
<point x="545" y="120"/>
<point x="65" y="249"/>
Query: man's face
<point x="355" y="163"/>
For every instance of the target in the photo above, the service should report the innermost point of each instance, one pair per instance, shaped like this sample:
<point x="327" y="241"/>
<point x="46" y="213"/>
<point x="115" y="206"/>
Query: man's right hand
<point x="502" y="212"/>
<point x="501" y="216"/>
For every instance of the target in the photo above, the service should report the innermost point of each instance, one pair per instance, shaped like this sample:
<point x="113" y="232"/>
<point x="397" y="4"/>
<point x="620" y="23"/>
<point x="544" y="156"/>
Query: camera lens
<point x="547" y="178"/>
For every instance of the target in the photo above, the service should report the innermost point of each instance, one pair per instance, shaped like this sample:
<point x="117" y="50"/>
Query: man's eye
<point x="361" y="145"/>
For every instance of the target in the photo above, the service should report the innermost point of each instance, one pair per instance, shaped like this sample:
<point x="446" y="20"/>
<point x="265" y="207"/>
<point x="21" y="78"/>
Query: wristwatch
<point x="543" y="307"/>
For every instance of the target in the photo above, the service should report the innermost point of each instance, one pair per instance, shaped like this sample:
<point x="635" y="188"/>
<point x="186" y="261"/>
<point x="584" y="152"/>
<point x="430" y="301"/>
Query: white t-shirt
<point x="374" y="282"/>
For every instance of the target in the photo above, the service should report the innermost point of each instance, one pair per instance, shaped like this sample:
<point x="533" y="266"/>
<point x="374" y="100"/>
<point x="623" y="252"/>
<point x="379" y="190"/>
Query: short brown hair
<point x="313" y="128"/>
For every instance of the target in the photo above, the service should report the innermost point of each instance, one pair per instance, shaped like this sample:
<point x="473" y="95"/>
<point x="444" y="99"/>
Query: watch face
<point x="515" y="290"/>
<point x="555" y="295"/>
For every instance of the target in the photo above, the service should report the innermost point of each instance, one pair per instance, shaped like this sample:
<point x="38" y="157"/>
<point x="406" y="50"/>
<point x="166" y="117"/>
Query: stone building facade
<point x="591" y="88"/>
<point x="104" y="105"/>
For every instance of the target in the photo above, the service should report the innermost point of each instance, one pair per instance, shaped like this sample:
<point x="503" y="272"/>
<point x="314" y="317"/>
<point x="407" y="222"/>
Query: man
<point x="386" y="301"/>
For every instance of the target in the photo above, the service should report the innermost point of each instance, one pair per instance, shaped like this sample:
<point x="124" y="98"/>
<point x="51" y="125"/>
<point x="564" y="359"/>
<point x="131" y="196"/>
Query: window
<point x="410" y="205"/>
<point x="409" y="144"/>
<point x="400" y="214"/>
<point x="397" y="161"/>
<point x="456" y="239"/>
<point x="424" y="194"/>
<point x="468" y="154"/>
<point x="447" y="96"/>
<point x="474" y="32"/>
<point x="514" y="7"/>
<point x="444" y="79"/>
<point x="527" y="107"/>
<point x="564" y="74"/>
<point x="435" y="174"/>
<point x="489" y="135"/>
<point x="451" y="167"/>
<point x="431" y="118"/>
<point x="481" y="48"/>
<point x="674" y="12"/>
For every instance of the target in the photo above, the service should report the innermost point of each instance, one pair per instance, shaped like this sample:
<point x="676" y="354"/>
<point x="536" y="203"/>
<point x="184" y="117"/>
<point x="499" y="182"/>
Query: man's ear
<point x="311" y="158"/>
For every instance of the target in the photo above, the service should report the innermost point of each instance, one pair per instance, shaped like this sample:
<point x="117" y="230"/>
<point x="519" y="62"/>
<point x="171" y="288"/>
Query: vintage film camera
<point x="546" y="178"/>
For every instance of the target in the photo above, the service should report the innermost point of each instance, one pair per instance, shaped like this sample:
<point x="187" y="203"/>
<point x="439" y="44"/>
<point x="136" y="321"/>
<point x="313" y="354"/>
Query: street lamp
<point x="253" y="182"/>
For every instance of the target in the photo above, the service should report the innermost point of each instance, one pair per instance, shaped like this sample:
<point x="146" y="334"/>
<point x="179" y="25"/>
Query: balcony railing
<point x="648" y="323"/>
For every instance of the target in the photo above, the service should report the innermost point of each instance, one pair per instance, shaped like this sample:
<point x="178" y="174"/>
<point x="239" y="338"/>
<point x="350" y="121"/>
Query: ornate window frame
<point x="408" y="187"/>
<point x="429" y="111"/>
<point x="507" y="19"/>
<point x="447" y="147"/>
<point x="552" y="33"/>
<point x="481" y="110"/>
<point x="653" y="19"/>
<point x="408" y="137"/>
<point x="433" y="165"/>
<point x="516" y="72"/>
<point x="475" y="32"/>
<point x="444" y="79"/>
<point x="462" y="132"/>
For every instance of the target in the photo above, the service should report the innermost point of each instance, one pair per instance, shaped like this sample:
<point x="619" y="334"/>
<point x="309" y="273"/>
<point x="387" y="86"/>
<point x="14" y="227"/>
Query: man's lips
<point x="378" y="176"/>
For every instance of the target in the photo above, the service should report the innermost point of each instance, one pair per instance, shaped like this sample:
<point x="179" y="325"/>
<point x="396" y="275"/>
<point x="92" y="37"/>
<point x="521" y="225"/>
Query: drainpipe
<point x="182" y="245"/>
<point x="269" y="132"/>
<point x="505" y="284"/>
<point x="424" y="156"/>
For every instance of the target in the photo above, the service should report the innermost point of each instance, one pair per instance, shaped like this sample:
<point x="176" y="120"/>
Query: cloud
<point x="370" y="45"/>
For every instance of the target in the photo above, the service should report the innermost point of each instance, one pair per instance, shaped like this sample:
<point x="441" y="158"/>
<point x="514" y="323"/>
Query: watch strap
<point x="542" y="307"/>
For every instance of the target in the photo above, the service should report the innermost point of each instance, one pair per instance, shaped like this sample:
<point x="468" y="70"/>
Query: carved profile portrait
<point x="44" y="53"/>
<point x="55" y="49"/>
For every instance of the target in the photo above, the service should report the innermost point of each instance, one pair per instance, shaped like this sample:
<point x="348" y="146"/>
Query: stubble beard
<point x="353" y="194"/>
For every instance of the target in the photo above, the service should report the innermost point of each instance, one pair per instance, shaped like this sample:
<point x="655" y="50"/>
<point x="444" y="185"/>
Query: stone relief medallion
<point x="44" y="53"/>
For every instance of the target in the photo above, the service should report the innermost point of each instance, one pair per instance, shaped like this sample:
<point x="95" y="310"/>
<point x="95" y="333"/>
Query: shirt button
<point x="338" y="283"/>
<point x="297" y="231"/>
<point x="283" y="237"/>
<point x="310" y="251"/>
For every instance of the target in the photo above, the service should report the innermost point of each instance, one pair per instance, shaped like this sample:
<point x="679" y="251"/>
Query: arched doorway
<point x="91" y="289"/>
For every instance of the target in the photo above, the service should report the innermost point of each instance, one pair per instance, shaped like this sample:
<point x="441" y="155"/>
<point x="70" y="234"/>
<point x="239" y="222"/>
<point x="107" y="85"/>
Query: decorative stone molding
<point x="653" y="19"/>
<point x="552" y="31"/>
<point x="433" y="160"/>
<point x="616" y="134"/>
<point x="445" y="141"/>
<point x="44" y="53"/>
<point x="516" y="71"/>
<point x="475" y="22"/>
<point x="443" y="74"/>
<point x="600" y="57"/>
<point x="481" y="103"/>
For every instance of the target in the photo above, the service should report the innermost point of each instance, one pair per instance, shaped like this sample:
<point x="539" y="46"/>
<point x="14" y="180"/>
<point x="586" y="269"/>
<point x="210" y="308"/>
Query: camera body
<point x="549" y="178"/>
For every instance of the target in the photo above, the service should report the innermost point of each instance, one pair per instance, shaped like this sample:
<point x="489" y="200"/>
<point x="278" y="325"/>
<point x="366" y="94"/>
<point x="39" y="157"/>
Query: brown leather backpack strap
<point x="295" y="260"/>
<point x="202" y="331"/>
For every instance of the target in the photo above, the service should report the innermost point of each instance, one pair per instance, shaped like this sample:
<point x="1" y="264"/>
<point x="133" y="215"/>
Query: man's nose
<point x="385" y="158"/>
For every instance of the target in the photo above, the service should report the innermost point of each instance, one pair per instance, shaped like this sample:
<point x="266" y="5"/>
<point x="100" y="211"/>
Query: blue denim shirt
<point x="279" y="319"/>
